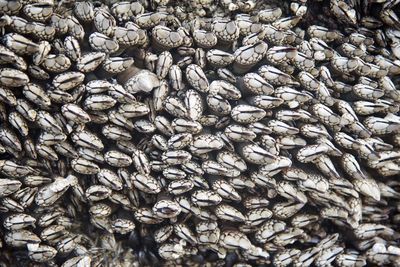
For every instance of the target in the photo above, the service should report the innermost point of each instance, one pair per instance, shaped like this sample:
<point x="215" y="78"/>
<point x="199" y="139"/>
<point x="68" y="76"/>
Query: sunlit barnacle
<point x="225" y="29"/>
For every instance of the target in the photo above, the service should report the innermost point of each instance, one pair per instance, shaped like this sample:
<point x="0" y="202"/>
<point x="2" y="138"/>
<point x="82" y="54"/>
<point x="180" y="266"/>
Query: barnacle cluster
<point x="199" y="133"/>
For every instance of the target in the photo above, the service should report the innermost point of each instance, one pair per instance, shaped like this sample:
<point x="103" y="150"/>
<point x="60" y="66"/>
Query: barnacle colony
<point x="201" y="132"/>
